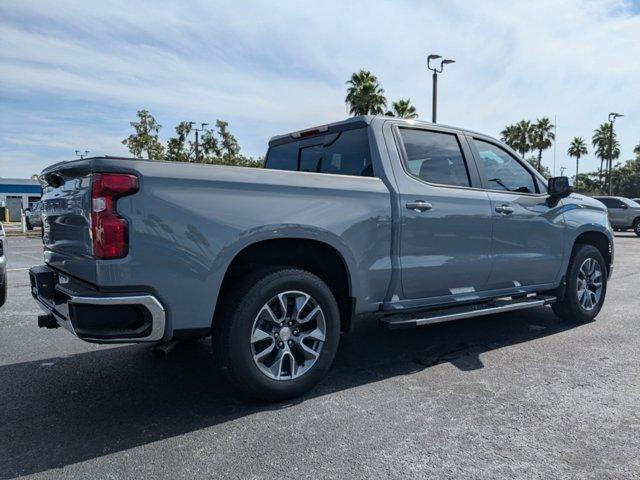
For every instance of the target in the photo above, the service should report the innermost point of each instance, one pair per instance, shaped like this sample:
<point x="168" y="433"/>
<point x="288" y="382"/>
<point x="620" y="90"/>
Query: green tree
<point x="541" y="137"/>
<point x="636" y="150"/>
<point x="510" y="136"/>
<point x="533" y="161"/>
<point x="365" y="96"/>
<point x="145" y="138"/>
<point x="577" y="148"/>
<point x="229" y="147"/>
<point x="626" y="178"/>
<point x="402" y="109"/>
<point x="178" y="149"/>
<point x="600" y="141"/>
<point x="518" y="136"/>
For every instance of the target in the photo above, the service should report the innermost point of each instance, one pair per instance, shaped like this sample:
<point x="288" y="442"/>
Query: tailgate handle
<point x="419" y="206"/>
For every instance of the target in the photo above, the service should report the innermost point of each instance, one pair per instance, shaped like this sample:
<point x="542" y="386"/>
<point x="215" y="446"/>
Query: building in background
<point x="17" y="194"/>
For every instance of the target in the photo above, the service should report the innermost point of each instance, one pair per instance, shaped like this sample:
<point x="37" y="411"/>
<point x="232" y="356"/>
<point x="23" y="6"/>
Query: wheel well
<point x="598" y="240"/>
<point x="311" y="255"/>
<point x="635" y="220"/>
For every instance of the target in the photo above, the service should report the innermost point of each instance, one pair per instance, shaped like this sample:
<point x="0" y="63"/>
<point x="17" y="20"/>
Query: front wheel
<point x="636" y="228"/>
<point x="28" y="223"/>
<point x="586" y="286"/>
<point x="277" y="336"/>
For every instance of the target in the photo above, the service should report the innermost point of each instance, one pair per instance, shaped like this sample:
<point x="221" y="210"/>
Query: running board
<point x="416" y="319"/>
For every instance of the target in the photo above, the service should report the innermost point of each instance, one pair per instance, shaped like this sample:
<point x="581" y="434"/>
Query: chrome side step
<point x="466" y="311"/>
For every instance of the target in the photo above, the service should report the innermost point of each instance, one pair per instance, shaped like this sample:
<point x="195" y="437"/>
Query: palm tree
<point x="402" y="109"/>
<point x="509" y="135"/>
<point x="577" y="148"/>
<point x="522" y="137"/>
<point x="600" y="141"/>
<point x="542" y="137"/>
<point x="365" y="96"/>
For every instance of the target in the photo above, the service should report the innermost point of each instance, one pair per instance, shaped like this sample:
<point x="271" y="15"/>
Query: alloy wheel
<point x="589" y="284"/>
<point x="287" y="335"/>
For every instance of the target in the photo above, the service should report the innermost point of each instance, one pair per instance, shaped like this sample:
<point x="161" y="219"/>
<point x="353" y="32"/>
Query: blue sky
<point x="73" y="74"/>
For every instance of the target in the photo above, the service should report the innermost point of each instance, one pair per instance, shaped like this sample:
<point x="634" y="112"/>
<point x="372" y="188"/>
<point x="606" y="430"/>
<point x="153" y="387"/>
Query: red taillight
<point x="109" y="230"/>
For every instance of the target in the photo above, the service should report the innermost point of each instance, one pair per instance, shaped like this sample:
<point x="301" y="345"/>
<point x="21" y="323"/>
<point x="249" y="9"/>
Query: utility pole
<point x="201" y="129"/>
<point x="436" y="71"/>
<point x="612" y="119"/>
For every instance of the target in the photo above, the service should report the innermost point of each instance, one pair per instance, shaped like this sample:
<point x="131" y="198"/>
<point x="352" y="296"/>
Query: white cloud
<point x="273" y="67"/>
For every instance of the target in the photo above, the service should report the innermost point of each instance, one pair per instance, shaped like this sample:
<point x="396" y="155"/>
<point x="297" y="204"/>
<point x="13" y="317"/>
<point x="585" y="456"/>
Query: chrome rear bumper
<point x="94" y="316"/>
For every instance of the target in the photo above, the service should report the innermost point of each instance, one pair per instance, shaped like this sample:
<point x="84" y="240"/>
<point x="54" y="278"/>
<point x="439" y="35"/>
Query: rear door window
<point x="342" y="153"/>
<point x="435" y="157"/>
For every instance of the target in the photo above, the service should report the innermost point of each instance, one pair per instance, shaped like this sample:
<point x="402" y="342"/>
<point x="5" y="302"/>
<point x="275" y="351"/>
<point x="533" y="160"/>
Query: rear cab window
<point x="343" y="153"/>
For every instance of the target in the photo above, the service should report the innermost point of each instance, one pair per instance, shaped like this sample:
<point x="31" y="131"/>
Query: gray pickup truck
<point x="373" y="218"/>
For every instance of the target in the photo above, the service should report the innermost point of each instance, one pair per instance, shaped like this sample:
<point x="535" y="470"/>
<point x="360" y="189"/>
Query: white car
<point x="3" y="267"/>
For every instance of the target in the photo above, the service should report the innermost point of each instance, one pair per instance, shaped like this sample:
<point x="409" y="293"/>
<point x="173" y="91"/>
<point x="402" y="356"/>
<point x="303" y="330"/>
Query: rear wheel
<point x="28" y="223"/>
<point x="586" y="286"/>
<point x="277" y="336"/>
<point x="636" y="227"/>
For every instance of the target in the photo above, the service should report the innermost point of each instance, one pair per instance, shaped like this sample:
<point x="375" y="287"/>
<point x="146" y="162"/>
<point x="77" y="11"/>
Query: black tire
<point x="569" y="307"/>
<point x="233" y="327"/>
<point x="3" y="289"/>
<point x="28" y="223"/>
<point x="636" y="227"/>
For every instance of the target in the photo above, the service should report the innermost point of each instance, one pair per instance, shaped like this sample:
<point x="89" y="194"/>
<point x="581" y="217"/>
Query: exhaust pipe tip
<point x="161" y="350"/>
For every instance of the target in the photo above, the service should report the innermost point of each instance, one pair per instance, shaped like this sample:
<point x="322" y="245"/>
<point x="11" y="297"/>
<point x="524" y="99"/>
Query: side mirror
<point x="559" y="187"/>
<point x="624" y="206"/>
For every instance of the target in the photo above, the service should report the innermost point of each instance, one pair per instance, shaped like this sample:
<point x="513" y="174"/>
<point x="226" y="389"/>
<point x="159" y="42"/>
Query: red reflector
<point x="110" y="231"/>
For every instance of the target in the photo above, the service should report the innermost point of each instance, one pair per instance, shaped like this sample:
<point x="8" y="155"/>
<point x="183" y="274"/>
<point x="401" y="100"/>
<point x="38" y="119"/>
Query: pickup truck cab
<point x="397" y="221"/>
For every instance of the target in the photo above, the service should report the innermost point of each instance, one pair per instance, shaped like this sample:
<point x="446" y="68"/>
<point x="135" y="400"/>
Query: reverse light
<point x="110" y="232"/>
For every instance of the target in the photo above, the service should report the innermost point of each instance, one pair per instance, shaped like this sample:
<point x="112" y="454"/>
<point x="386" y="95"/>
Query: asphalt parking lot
<point x="516" y="395"/>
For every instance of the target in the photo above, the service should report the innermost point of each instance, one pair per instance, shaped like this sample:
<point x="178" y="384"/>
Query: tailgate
<point x="66" y="208"/>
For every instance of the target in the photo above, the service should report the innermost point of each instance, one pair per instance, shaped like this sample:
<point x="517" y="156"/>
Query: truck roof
<point x="354" y="122"/>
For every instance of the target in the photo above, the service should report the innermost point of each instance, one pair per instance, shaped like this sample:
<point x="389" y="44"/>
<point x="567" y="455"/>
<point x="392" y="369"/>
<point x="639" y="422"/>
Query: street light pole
<point x="612" y="119"/>
<point x="434" y="101"/>
<point x="201" y="129"/>
<point x="436" y="71"/>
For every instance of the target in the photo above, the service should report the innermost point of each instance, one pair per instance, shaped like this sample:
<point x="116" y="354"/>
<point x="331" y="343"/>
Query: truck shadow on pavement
<point x="65" y="410"/>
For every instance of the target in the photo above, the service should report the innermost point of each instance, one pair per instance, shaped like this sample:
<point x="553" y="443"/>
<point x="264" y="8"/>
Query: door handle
<point x="504" y="209"/>
<point x="419" y="206"/>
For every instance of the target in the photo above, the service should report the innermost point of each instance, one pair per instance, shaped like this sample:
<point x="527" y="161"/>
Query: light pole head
<point x="433" y="56"/>
<point x="447" y="61"/>
<point x="613" y="116"/>
<point x="202" y="125"/>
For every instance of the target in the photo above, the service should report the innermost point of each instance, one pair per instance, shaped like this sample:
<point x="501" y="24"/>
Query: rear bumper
<point x="94" y="316"/>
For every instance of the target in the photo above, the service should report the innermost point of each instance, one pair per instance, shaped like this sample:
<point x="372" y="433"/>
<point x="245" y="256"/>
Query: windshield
<point x="632" y="203"/>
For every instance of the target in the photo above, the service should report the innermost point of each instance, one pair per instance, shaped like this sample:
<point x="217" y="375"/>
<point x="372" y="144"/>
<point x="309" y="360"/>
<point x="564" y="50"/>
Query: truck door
<point x="445" y="228"/>
<point x="527" y="232"/>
